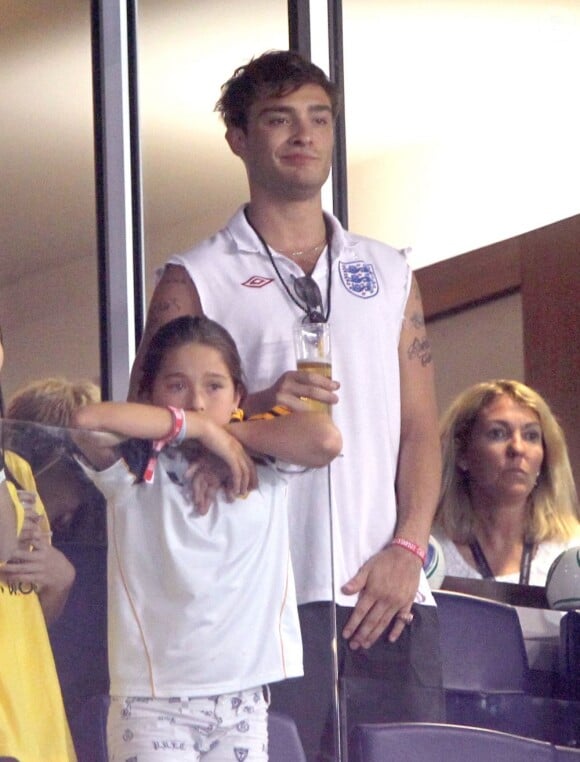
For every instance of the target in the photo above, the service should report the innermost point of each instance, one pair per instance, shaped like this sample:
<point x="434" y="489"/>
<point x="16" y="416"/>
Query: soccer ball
<point x="434" y="566"/>
<point x="563" y="581"/>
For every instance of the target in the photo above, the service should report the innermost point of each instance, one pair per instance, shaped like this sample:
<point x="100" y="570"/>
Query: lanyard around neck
<point x="484" y="568"/>
<point x="281" y="279"/>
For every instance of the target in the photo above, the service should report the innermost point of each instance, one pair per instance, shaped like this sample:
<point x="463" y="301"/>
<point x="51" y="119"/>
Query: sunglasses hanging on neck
<point x="306" y="289"/>
<point x="306" y="294"/>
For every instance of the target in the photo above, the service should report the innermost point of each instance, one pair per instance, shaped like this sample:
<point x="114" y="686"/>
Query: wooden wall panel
<point x="467" y="279"/>
<point x="544" y="266"/>
<point x="550" y="261"/>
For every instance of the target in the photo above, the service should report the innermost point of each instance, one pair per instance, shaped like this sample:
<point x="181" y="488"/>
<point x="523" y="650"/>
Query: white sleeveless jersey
<point x="370" y="282"/>
<point x="197" y="605"/>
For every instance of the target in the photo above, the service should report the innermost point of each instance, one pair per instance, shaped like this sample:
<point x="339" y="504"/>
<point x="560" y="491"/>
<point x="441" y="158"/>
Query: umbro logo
<point x="257" y="281"/>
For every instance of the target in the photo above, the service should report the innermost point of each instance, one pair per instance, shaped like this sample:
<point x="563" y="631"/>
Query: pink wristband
<point x="176" y="435"/>
<point x="177" y="425"/>
<point x="179" y="429"/>
<point x="410" y="546"/>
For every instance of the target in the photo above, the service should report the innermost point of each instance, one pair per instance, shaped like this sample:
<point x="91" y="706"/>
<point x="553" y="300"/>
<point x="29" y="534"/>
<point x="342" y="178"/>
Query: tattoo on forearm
<point x="420" y="348"/>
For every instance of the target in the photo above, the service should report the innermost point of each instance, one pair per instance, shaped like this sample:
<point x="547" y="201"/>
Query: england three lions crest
<point x="359" y="278"/>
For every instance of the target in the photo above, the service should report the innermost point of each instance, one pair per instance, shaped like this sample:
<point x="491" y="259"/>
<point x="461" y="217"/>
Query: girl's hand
<point x="205" y="484"/>
<point x="242" y="476"/>
<point x="206" y="477"/>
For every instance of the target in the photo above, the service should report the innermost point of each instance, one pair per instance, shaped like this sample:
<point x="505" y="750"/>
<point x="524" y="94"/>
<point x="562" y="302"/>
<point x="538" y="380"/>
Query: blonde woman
<point x="508" y="504"/>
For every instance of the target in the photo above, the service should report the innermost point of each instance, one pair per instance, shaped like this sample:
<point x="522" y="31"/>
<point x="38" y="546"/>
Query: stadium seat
<point x="283" y="741"/>
<point x="566" y="755"/>
<point x="482" y="645"/>
<point x="485" y="673"/>
<point x="416" y="742"/>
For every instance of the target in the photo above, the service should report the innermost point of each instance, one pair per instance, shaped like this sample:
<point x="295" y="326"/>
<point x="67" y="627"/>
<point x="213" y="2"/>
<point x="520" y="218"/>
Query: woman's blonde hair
<point x="51" y="401"/>
<point x="553" y="503"/>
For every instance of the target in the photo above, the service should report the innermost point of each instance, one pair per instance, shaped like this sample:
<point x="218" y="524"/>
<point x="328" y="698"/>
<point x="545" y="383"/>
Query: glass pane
<point x="192" y="183"/>
<point x="74" y="507"/>
<point x="452" y="144"/>
<point x="48" y="273"/>
<point x="214" y="589"/>
<point x="50" y="491"/>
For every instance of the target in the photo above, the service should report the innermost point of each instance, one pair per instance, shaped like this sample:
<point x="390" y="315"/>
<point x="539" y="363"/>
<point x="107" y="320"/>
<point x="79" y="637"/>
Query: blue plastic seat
<point x="417" y="742"/>
<point x="482" y="645"/>
<point x="486" y="675"/>
<point x="283" y="740"/>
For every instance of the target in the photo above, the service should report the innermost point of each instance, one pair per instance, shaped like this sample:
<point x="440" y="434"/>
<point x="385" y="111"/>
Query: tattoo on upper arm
<point x="420" y="348"/>
<point x="418" y="320"/>
<point x="160" y="308"/>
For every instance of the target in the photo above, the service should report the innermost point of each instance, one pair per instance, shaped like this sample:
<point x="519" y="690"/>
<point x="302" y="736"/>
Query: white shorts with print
<point x="228" y="728"/>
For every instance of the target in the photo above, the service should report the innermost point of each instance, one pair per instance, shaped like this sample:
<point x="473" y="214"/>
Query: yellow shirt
<point x="33" y="724"/>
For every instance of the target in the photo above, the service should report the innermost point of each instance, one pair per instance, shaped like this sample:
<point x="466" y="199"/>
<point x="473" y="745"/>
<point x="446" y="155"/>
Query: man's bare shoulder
<point x="175" y="295"/>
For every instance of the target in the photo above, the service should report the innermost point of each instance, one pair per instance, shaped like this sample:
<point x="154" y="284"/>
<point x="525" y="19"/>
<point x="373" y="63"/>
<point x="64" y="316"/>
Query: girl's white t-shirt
<point x="197" y="605"/>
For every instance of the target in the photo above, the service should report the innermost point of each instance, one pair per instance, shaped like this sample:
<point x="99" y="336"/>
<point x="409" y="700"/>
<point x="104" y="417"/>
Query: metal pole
<point x="116" y="197"/>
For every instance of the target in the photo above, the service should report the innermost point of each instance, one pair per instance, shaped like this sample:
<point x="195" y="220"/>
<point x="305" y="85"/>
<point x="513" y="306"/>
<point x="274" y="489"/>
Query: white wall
<point x="462" y="120"/>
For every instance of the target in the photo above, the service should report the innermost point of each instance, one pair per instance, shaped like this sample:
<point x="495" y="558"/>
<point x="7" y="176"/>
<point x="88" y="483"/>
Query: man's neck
<point x="288" y="225"/>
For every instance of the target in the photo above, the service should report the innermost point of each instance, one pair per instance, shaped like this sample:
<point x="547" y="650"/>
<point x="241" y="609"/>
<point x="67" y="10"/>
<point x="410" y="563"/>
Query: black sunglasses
<point x="306" y="289"/>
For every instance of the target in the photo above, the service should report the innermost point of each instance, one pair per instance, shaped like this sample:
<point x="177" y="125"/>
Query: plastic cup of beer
<point x="312" y="347"/>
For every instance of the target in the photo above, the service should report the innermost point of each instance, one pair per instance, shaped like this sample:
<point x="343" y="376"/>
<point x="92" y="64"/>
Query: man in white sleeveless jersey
<point x="280" y="260"/>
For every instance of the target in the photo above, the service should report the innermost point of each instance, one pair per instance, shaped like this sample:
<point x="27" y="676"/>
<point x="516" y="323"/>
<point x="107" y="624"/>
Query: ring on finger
<point x="405" y="618"/>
